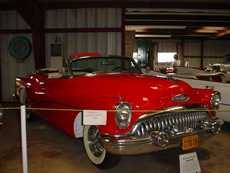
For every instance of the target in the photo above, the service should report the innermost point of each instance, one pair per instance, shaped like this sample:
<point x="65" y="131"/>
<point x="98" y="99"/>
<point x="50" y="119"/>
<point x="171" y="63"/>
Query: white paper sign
<point x="94" y="117"/>
<point x="189" y="163"/>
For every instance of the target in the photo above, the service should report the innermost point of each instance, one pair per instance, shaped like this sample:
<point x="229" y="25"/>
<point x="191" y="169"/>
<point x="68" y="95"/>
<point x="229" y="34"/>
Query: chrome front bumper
<point x="132" y="145"/>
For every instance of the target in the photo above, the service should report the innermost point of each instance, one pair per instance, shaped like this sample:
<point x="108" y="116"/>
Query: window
<point x="164" y="57"/>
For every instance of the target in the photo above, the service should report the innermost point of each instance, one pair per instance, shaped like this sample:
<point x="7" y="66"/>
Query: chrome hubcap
<point x="94" y="141"/>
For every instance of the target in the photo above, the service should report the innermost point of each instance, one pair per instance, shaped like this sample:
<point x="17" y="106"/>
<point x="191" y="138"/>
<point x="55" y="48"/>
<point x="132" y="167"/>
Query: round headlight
<point x="123" y="115"/>
<point x="215" y="100"/>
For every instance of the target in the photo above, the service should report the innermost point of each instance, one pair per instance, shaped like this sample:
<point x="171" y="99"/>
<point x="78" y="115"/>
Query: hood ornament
<point x="180" y="98"/>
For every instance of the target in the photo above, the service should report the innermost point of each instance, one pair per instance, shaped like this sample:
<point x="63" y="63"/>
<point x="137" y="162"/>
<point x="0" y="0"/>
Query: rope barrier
<point x="133" y="110"/>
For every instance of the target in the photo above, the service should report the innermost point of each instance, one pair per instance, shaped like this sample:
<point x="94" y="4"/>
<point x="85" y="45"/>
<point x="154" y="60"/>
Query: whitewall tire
<point x="95" y="151"/>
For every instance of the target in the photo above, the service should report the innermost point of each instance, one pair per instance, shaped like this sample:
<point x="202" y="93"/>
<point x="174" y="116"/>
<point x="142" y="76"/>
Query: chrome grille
<point x="167" y="120"/>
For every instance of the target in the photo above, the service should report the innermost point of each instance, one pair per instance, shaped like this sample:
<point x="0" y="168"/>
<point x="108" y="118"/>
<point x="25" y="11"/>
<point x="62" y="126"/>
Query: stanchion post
<point x="22" y="98"/>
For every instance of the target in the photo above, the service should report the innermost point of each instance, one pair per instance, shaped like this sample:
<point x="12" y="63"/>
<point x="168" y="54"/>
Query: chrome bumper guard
<point x="157" y="140"/>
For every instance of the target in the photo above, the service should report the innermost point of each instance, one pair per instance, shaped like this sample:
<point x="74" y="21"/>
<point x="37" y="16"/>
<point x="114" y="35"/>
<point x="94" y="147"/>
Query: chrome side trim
<point x="142" y="117"/>
<point x="180" y="98"/>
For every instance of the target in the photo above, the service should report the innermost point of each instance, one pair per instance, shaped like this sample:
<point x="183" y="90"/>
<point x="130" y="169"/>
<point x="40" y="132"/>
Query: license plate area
<point x="189" y="142"/>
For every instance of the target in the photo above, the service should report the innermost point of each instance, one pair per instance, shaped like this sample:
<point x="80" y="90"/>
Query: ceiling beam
<point x="136" y="4"/>
<point x="74" y="30"/>
<point x="177" y="23"/>
<point x="7" y="6"/>
<point x="176" y="33"/>
<point x="125" y="4"/>
<point x="180" y="17"/>
<point x="32" y="13"/>
<point x="187" y="37"/>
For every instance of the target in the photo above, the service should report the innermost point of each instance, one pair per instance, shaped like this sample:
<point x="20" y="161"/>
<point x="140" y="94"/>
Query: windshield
<point x="104" y="65"/>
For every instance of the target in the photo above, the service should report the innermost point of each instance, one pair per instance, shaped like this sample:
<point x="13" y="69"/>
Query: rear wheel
<point x="95" y="151"/>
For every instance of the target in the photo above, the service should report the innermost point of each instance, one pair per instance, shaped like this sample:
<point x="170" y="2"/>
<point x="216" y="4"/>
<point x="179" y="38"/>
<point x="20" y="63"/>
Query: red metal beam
<point x="15" y="31"/>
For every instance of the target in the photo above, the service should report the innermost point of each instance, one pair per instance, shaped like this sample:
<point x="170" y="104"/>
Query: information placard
<point x="94" y="117"/>
<point x="189" y="163"/>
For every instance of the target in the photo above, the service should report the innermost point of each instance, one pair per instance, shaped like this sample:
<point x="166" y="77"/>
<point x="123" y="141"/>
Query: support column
<point x="0" y="75"/>
<point x="34" y="15"/>
<point x="38" y="39"/>
<point x="151" y="56"/>
<point x="123" y="32"/>
<point x="202" y="54"/>
<point x="180" y="52"/>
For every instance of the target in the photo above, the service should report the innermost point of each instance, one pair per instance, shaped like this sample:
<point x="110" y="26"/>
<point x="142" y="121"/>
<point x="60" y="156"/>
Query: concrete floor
<point x="51" y="151"/>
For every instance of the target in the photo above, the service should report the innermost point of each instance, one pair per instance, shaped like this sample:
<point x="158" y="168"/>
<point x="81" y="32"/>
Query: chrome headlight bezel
<point x="123" y="115"/>
<point x="215" y="100"/>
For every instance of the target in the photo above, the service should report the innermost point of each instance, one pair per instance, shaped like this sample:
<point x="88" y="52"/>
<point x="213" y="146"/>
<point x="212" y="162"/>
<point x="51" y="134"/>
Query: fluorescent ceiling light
<point x="213" y="27"/>
<point x="210" y="29"/>
<point x="152" y="36"/>
<point x="205" y="31"/>
<point x="129" y="27"/>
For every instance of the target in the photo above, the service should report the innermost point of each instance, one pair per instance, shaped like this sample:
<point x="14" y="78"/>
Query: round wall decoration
<point x="20" y="47"/>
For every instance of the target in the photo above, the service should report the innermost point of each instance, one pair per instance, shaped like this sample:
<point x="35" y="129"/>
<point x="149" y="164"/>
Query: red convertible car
<point x="118" y="110"/>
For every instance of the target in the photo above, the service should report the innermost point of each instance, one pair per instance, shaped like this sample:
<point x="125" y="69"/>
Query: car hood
<point x="141" y="91"/>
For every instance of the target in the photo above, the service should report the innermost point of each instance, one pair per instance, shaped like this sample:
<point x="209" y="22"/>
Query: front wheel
<point x="95" y="151"/>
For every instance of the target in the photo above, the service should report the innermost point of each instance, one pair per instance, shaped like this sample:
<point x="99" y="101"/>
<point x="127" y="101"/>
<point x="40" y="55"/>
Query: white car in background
<point x="223" y="69"/>
<point x="216" y="76"/>
<point x="195" y="73"/>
